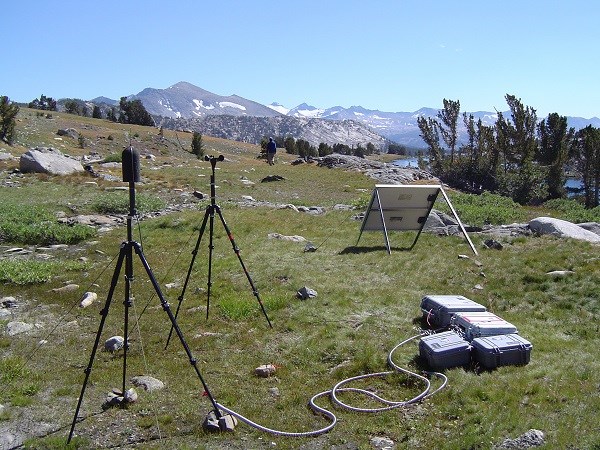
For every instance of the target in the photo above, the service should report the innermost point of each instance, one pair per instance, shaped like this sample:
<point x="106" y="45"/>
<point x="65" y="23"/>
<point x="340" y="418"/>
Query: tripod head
<point x="213" y="159"/>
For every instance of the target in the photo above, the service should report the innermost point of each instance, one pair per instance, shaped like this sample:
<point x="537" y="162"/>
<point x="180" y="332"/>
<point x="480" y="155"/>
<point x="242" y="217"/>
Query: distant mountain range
<point x="184" y="105"/>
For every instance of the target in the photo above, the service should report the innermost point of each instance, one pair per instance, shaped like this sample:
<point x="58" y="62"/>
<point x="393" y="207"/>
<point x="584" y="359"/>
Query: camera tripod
<point x="209" y="216"/>
<point x="131" y="174"/>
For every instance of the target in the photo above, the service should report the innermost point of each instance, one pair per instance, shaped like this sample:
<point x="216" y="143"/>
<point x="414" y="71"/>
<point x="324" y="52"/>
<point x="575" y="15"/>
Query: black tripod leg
<point x="237" y="252"/>
<point x="211" y="247"/>
<point x="167" y="309"/>
<point x="104" y="314"/>
<point x="189" y="272"/>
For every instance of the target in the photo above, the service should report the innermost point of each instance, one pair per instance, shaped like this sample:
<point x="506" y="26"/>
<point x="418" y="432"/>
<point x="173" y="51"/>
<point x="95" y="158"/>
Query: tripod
<point x="131" y="174"/>
<point x="209" y="216"/>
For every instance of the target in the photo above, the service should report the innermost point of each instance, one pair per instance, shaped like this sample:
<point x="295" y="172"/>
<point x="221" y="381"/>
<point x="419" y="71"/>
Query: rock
<point x="211" y="423"/>
<point x="48" y="160"/>
<point x="114" y="344"/>
<point x="148" y="383"/>
<point x="14" y="328"/>
<point x="227" y="422"/>
<point x="286" y="238"/>
<point x="531" y="438"/>
<point x="305" y="292"/>
<point x="560" y="273"/>
<point x="8" y="302"/>
<point x="67" y="288"/>
<point x="491" y="243"/>
<point x="87" y="299"/>
<point x="270" y="178"/>
<point x="265" y="371"/>
<point x="562" y="229"/>
<point x="70" y="132"/>
<point x="248" y="198"/>
<point x="310" y="247"/>
<point x="382" y="443"/>
<point x="130" y="396"/>
<point x="274" y="391"/>
<point x="594" y="227"/>
<point x="112" y="399"/>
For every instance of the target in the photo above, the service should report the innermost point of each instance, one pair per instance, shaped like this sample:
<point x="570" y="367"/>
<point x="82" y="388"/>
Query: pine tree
<point x="8" y="114"/>
<point x="197" y="145"/>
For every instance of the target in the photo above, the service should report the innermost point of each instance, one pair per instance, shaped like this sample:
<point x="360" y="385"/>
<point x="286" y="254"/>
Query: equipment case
<point x="439" y="309"/>
<point x="502" y="350"/>
<point x="444" y="350"/>
<point x="481" y="324"/>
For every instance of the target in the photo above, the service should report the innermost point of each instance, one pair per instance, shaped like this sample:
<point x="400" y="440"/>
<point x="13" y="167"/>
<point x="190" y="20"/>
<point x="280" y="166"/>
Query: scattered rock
<point x="87" y="299"/>
<point x="310" y="247"/>
<point x="306" y="292"/>
<point x="114" y="344"/>
<point x="274" y="391"/>
<point x="148" y="383"/>
<point x="14" y="328"/>
<point x="67" y="288"/>
<point x="48" y="160"/>
<point x="560" y="273"/>
<point x="491" y="243"/>
<point x="562" y="229"/>
<point x="130" y="396"/>
<point x="270" y="178"/>
<point x="382" y="443"/>
<point x="265" y="371"/>
<point x="286" y="238"/>
<point x="531" y="438"/>
<point x="9" y="302"/>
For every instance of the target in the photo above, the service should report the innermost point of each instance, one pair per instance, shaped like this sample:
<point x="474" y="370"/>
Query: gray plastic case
<point x="478" y="324"/>
<point x="501" y="350"/>
<point x="439" y="309"/>
<point x="445" y="350"/>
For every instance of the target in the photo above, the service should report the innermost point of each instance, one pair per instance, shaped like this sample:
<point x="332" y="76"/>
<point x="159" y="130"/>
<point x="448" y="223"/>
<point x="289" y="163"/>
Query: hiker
<point x="271" y="150"/>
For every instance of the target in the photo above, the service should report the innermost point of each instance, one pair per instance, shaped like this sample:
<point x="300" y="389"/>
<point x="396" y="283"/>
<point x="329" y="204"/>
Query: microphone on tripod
<point x="130" y="162"/>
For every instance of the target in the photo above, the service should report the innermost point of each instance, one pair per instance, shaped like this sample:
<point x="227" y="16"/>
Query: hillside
<point x="367" y="303"/>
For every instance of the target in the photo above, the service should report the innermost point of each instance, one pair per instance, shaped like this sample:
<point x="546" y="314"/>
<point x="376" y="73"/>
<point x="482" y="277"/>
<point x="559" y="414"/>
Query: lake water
<point x="413" y="163"/>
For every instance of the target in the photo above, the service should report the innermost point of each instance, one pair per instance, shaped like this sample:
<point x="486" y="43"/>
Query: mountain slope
<point x="186" y="100"/>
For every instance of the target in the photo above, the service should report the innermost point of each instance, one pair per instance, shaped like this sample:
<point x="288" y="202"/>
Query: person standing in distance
<point x="271" y="150"/>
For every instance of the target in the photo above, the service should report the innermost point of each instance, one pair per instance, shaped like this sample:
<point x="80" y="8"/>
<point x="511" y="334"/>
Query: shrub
<point x="118" y="203"/>
<point x="33" y="225"/>
<point x="573" y="211"/>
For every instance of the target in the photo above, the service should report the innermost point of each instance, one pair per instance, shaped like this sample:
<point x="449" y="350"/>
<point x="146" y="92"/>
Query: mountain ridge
<point x="183" y="101"/>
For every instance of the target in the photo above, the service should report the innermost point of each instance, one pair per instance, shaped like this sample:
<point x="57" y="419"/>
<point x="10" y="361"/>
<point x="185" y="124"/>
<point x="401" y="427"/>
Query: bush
<point x="33" y="225"/>
<point x="573" y="211"/>
<point x="118" y="203"/>
<point x="486" y="209"/>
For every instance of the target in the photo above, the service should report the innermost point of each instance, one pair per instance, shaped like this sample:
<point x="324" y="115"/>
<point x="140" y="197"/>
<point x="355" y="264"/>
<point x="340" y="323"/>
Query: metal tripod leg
<point x="189" y="272"/>
<point x="126" y="253"/>
<point x="104" y="313"/>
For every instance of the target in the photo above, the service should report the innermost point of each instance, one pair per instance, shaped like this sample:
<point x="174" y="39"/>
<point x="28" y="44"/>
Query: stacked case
<point x="445" y="350"/>
<point x="478" y="324"/>
<point x="476" y="333"/>
<point x="439" y="309"/>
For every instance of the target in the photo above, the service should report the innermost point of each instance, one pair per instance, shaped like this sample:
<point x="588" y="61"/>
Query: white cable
<point x="338" y="389"/>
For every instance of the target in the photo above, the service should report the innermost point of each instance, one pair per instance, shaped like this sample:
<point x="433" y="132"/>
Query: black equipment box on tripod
<point x="445" y="350"/>
<point x="501" y="350"/>
<point x="439" y="309"/>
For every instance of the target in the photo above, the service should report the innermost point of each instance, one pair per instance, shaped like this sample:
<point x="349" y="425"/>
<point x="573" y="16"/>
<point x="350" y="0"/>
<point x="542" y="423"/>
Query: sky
<point x="387" y="55"/>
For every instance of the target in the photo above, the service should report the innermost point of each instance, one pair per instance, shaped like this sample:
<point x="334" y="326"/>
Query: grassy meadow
<point x="368" y="302"/>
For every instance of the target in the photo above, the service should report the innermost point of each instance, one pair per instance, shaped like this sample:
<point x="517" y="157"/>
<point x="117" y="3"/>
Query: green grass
<point x="367" y="302"/>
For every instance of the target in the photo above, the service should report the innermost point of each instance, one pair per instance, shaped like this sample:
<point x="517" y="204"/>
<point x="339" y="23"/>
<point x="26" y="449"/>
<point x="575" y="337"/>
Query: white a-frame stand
<point x="402" y="208"/>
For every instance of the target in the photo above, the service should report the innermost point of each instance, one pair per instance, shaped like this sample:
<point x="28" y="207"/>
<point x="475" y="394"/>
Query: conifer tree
<point x="8" y="114"/>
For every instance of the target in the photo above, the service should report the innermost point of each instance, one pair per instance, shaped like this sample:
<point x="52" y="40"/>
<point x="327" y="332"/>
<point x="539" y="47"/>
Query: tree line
<point x="304" y="149"/>
<point x="517" y="156"/>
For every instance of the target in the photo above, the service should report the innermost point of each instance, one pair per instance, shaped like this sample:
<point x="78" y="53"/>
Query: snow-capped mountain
<point x="186" y="100"/>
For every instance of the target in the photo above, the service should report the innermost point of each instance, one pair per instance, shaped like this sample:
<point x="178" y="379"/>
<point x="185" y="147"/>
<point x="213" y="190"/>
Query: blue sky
<point x="391" y="55"/>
